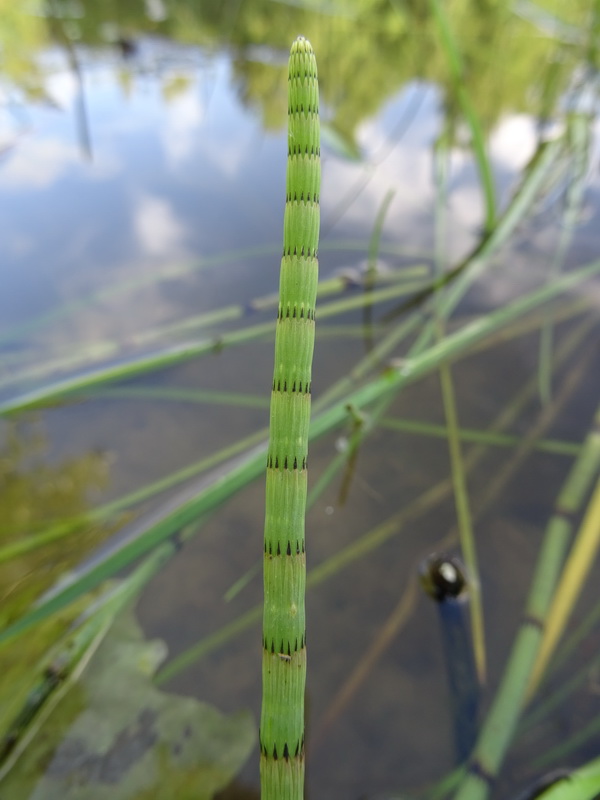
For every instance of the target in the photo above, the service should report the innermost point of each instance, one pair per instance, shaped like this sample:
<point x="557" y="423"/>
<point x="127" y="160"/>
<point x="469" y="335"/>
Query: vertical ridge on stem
<point x="284" y="631"/>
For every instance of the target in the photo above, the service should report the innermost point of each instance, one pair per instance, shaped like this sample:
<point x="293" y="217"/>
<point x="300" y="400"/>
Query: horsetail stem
<point x="284" y="633"/>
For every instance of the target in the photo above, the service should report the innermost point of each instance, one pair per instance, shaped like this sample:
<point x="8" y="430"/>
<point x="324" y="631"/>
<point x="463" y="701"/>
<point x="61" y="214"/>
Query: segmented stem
<point x="284" y="633"/>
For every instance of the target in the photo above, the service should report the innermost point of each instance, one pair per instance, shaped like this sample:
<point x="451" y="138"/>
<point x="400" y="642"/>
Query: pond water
<point x="142" y="179"/>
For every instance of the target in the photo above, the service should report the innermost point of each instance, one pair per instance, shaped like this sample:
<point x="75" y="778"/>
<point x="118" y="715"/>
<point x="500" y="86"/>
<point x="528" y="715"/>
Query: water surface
<point x="141" y="184"/>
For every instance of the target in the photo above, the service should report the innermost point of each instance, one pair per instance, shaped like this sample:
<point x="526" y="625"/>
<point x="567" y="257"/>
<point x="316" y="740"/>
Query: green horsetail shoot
<point x="284" y="642"/>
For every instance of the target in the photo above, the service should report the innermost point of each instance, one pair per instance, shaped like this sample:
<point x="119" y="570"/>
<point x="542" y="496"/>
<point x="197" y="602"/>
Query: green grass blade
<point x="458" y="79"/>
<point x="500" y="723"/>
<point x="386" y="530"/>
<point x="451" y="348"/>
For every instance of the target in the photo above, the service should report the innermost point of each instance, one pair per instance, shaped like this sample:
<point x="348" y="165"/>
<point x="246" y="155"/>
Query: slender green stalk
<point x="581" y="632"/>
<point x="63" y="663"/>
<point x="553" y="446"/>
<point x="102" y="376"/>
<point x="383" y="532"/>
<point x="581" y="559"/>
<point x="457" y="71"/>
<point x="536" y="173"/>
<point x="578" y="136"/>
<point x="284" y="633"/>
<point x="108" y="511"/>
<point x="173" y="271"/>
<point x="501" y="721"/>
<point x="561" y="694"/>
<point x="462" y="276"/>
<point x="183" y="395"/>
<point x="391" y="381"/>
<point x="371" y="274"/>
<point x="566" y="749"/>
<point x="461" y="493"/>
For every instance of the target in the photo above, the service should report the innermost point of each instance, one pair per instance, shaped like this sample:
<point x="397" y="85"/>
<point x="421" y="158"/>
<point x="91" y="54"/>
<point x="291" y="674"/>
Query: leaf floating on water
<point x="116" y="736"/>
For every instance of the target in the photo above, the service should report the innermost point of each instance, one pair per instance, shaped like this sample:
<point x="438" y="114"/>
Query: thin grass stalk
<point x="584" y="628"/>
<point x="409" y="277"/>
<point x="560" y="695"/>
<point x="179" y="395"/>
<point x="108" y="511"/>
<point x="361" y="671"/>
<point x="462" y="277"/>
<point x="457" y="74"/>
<point x="397" y="284"/>
<point x="385" y="385"/>
<point x="500" y="723"/>
<point x="569" y="383"/>
<point x="461" y="496"/>
<point x="471" y="267"/>
<point x="64" y="662"/>
<point x="536" y="173"/>
<point x="577" y="568"/>
<point x="383" y="532"/>
<point x="93" y="379"/>
<point x="390" y="382"/>
<point x="588" y="733"/>
<point x="578" y="138"/>
<point x="284" y="628"/>
<point x="390" y="629"/>
<point x="469" y="435"/>
<point x="564" y="311"/>
<point x="172" y="271"/>
<point x="135" y="285"/>
<point x="371" y="273"/>
<point x="133" y="368"/>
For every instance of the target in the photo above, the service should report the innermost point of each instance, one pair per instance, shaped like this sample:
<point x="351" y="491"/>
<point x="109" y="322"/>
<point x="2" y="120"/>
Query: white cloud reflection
<point x="36" y="163"/>
<point x="513" y="142"/>
<point x="158" y="231"/>
<point x="180" y="134"/>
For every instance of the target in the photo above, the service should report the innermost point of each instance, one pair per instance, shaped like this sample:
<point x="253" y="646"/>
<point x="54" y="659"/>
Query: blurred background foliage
<point x="513" y="62"/>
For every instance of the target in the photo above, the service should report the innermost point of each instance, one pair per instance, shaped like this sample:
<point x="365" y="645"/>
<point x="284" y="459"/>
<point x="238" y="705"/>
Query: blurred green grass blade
<point x="71" y="652"/>
<point x="450" y="348"/>
<point x="578" y="140"/>
<point x="379" y="535"/>
<point x="481" y="437"/>
<point x="582" y="783"/>
<point x="162" y="529"/>
<point x="500" y="723"/>
<point x="108" y="511"/>
<point x="104" y="376"/>
<point x="467" y="272"/>
<point x="576" y="570"/>
<point x="148" y="278"/>
<point x="561" y="694"/>
<point x="127" y="370"/>
<point x="536" y="173"/>
<point x="461" y="496"/>
<point x="465" y="525"/>
<point x="371" y="273"/>
<point x="457" y="73"/>
<point x="585" y="627"/>
<point x="98" y="350"/>
<point x="462" y="277"/>
<point x="340" y="143"/>
<point x="177" y="395"/>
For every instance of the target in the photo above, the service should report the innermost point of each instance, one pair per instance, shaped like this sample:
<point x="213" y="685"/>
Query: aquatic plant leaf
<point x="115" y="735"/>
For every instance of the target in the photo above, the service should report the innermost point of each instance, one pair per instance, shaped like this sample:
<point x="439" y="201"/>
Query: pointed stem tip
<point x="301" y="44"/>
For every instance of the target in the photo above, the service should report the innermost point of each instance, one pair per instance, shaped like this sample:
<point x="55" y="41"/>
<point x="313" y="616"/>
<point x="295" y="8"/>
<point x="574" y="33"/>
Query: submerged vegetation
<point x="486" y="346"/>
